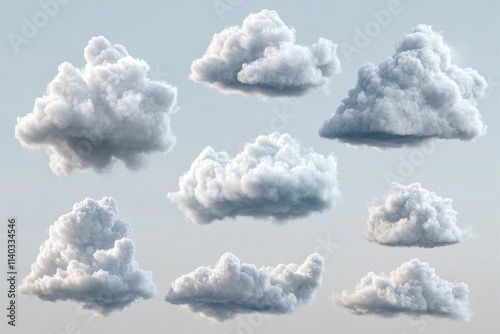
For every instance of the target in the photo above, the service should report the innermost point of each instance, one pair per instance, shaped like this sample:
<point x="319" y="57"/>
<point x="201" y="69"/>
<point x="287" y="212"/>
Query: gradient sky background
<point x="169" y="35"/>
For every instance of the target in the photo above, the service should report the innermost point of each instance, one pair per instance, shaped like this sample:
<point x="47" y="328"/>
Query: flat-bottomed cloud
<point x="272" y="177"/>
<point x="109" y="110"/>
<point x="414" y="96"/>
<point x="413" y="216"/>
<point x="413" y="289"/>
<point x="232" y="288"/>
<point x="89" y="259"/>
<point x="261" y="58"/>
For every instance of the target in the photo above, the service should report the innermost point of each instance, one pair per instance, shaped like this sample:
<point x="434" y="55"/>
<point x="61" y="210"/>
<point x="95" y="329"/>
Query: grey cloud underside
<point x="383" y="140"/>
<point x="108" y="110"/>
<point x="89" y="259"/>
<point x="412" y="289"/>
<point x="414" y="96"/>
<point x="272" y="177"/>
<point x="411" y="216"/>
<point x="261" y="58"/>
<point x="232" y="288"/>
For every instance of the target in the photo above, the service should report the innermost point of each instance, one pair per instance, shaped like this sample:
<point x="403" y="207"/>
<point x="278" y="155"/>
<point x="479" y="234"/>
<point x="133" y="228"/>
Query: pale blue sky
<point x="169" y="35"/>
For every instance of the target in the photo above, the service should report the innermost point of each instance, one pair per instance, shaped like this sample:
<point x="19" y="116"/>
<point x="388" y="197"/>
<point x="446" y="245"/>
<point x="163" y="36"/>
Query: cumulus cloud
<point x="271" y="177"/>
<point x="261" y="57"/>
<point x="232" y="288"/>
<point x="413" y="216"/>
<point x="106" y="111"/>
<point x="89" y="259"/>
<point x="413" y="289"/>
<point x="414" y="96"/>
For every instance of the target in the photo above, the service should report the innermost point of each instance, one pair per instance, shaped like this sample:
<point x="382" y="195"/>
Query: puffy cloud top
<point x="413" y="96"/>
<point x="413" y="289"/>
<point x="413" y="216"/>
<point x="89" y="259"/>
<point x="232" y="288"/>
<point x="271" y="177"/>
<point x="261" y="57"/>
<point x="109" y="110"/>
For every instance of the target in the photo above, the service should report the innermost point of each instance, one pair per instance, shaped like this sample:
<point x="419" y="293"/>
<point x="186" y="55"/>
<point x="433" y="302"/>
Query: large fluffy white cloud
<point x="108" y="110"/>
<point x="413" y="216"/>
<point x="89" y="259"/>
<point x="271" y="177"/>
<point x="414" y="96"/>
<point x="413" y="289"/>
<point x="261" y="57"/>
<point x="232" y="288"/>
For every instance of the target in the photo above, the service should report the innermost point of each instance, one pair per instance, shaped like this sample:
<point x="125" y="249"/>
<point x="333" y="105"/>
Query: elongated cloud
<point x="413" y="289"/>
<point x="271" y="177"/>
<point x="232" y="288"/>
<point x="89" y="259"/>
<point x="261" y="57"/>
<point x="109" y="110"/>
<point x="413" y="216"/>
<point x="414" y="96"/>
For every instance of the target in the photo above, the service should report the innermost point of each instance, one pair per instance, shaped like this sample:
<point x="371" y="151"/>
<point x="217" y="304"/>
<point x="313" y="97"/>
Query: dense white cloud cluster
<point x="413" y="216"/>
<point x="271" y="177"/>
<point x="231" y="288"/>
<point x="89" y="259"/>
<point x="261" y="57"/>
<point x="413" y="289"/>
<point x="108" y="110"/>
<point x="413" y="96"/>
